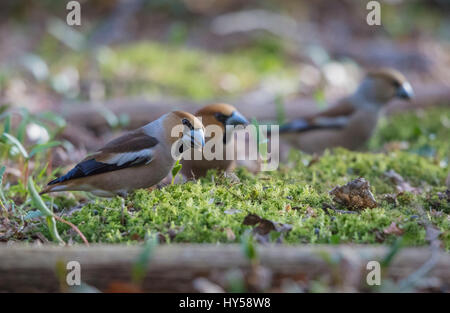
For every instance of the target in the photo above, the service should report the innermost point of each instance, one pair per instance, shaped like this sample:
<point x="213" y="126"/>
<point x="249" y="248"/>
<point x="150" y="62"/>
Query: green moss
<point x="197" y="211"/>
<point x="425" y="133"/>
<point x="203" y="211"/>
<point x="153" y="68"/>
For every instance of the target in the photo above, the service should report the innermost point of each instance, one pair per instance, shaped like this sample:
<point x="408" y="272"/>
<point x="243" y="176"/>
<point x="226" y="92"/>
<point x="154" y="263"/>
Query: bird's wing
<point x="334" y="117"/>
<point x="133" y="149"/>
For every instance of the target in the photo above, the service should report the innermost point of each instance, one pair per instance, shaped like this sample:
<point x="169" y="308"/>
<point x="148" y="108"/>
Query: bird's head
<point x="382" y="85"/>
<point x="184" y="126"/>
<point x="222" y="115"/>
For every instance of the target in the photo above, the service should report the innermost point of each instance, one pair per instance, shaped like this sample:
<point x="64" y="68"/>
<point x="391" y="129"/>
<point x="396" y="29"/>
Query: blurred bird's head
<point x="184" y="126"/>
<point x="382" y="85"/>
<point x="221" y="114"/>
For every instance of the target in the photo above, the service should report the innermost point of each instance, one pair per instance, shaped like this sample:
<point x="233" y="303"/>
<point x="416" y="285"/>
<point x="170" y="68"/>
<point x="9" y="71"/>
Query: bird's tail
<point x="53" y="186"/>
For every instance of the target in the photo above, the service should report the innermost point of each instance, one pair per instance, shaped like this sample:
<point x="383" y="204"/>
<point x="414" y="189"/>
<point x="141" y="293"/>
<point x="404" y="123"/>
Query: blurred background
<point x="133" y="60"/>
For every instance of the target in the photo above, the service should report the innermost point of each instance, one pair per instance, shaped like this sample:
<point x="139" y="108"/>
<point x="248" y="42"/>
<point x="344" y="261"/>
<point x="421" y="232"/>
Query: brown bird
<point x="351" y="122"/>
<point x="139" y="159"/>
<point x="220" y="115"/>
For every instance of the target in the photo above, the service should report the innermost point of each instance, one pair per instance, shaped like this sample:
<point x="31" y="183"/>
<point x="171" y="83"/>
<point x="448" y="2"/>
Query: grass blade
<point x="14" y="141"/>
<point x="42" y="147"/>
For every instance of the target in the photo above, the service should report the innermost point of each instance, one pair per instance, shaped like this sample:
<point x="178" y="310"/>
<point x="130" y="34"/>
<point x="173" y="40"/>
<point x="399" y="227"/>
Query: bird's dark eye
<point x="396" y="84"/>
<point x="188" y="124"/>
<point x="221" y="117"/>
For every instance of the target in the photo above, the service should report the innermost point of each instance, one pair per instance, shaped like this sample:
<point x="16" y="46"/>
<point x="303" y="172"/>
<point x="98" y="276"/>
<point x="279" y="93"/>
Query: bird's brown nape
<point x="176" y="118"/>
<point x="388" y="74"/>
<point x="223" y="108"/>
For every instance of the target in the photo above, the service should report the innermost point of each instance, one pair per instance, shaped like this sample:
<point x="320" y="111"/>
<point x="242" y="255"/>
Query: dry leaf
<point x="251" y="219"/>
<point x="400" y="183"/>
<point x="264" y="227"/>
<point x="393" y="230"/>
<point x="354" y="195"/>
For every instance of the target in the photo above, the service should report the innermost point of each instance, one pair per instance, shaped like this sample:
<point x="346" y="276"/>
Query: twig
<point x="73" y="227"/>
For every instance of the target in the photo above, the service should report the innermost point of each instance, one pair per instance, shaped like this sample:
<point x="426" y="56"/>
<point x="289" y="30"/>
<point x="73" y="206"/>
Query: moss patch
<point x="150" y="67"/>
<point x="202" y="211"/>
<point x="212" y="210"/>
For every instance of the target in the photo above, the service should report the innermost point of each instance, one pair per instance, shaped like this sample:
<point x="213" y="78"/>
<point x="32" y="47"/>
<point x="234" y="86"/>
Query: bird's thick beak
<point x="236" y="118"/>
<point x="197" y="138"/>
<point x="405" y="91"/>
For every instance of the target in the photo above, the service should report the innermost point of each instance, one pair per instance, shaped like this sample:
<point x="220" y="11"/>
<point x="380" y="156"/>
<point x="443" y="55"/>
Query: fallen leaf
<point x="393" y="230"/>
<point x="400" y="183"/>
<point x="264" y="227"/>
<point x="354" y="195"/>
<point x="251" y="219"/>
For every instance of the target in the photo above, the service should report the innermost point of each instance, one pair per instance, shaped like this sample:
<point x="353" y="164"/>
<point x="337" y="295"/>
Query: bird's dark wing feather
<point x="303" y="125"/>
<point x="335" y="117"/>
<point x="116" y="155"/>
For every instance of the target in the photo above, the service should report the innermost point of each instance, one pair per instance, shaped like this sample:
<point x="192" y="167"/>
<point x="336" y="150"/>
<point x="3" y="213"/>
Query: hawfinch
<point x="221" y="115"/>
<point x="139" y="159"/>
<point x="351" y="122"/>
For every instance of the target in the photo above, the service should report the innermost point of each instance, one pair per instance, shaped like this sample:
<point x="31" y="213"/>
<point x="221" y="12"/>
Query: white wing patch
<point x="120" y="159"/>
<point x="339" y="121"/>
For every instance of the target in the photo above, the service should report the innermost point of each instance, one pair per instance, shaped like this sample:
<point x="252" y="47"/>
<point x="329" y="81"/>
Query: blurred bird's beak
<point x="405" y="91"/>
<point x="197" y="139"/>
<point x="236" y="119"/>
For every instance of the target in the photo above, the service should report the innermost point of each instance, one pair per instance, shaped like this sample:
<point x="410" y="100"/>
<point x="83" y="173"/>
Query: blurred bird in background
<point x="139" y="159"/>
<point x="221" y="115"/>
<point x="351" y="122"/>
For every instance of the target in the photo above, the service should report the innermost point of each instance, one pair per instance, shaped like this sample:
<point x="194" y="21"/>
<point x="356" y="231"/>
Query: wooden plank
<point x="173" y="268"/>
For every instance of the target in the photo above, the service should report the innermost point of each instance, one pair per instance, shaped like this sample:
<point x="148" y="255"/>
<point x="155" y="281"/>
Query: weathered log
<point x="174" y="268"/>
